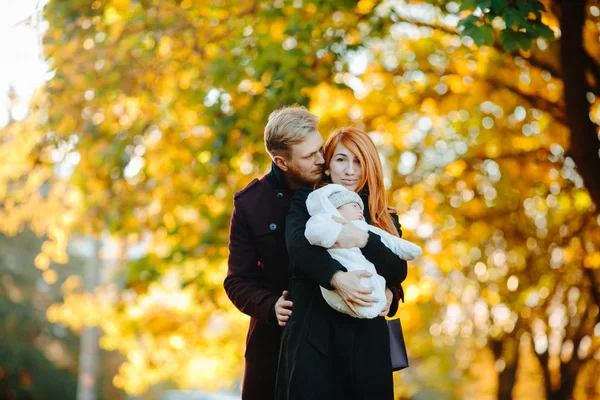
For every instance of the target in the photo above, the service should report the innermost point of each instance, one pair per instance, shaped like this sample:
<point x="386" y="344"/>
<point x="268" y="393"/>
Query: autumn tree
<point x="154" y="116"/>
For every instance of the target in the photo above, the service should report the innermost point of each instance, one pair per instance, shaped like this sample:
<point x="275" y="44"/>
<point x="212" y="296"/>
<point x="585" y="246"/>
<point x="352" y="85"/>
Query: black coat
<point x="325" y="354"/>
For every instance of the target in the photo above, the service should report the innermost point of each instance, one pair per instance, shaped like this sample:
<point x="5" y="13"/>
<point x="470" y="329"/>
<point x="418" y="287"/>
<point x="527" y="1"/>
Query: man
<point x="257" y="273"/>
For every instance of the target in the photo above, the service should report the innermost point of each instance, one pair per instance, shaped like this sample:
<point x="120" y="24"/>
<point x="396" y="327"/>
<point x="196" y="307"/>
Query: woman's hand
<point x="351" y="291"/>
<point x="389" y="296"/>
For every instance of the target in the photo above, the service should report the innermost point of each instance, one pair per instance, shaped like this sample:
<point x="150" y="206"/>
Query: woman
<point x="325" y="354"/>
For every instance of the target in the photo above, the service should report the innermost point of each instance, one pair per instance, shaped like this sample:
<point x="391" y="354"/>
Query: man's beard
<point x="306" y="178"/>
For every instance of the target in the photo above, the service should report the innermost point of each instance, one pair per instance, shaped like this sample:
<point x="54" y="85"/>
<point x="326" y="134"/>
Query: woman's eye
<point x="341" y="159"/>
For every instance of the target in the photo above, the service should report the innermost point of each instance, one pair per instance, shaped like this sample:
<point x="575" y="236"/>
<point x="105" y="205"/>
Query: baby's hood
<point x="318" y="200"/>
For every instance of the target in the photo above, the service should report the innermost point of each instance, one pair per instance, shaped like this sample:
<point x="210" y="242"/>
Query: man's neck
<point x="293" y="183"/>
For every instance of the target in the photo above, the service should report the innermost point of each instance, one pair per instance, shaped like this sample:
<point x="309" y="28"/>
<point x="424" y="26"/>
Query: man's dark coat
<point x="258" y="274"/>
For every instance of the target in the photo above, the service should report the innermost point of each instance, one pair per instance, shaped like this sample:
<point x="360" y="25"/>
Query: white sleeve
<point x="322" y="230"/>
<point x="402" y="248"/>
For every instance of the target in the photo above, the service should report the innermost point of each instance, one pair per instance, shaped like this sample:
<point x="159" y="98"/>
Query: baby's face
<point x="351" y="212"/>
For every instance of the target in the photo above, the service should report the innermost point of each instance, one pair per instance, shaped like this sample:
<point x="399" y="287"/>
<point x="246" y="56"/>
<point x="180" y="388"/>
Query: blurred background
<point x="127" y="125"/>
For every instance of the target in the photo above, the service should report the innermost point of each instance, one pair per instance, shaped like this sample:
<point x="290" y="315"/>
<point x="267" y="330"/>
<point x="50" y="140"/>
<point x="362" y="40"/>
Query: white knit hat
<point x="341" y="197"/>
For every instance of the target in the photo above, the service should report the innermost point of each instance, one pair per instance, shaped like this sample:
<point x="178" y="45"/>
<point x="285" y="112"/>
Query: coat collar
<point x="276" y="178"/>
<point x="365" y="198"/>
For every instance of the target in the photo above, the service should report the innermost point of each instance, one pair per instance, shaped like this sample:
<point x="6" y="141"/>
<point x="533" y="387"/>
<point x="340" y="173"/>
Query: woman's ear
<point x="280" y="162"/>
<point x="327" y="172"/>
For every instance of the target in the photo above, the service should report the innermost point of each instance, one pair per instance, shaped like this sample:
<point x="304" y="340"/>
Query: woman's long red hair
<point x="361" y="145"/>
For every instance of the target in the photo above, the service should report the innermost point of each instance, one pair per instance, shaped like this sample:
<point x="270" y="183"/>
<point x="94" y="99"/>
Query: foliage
<point x="520" y="21"/>
<point x="153" y="119"/>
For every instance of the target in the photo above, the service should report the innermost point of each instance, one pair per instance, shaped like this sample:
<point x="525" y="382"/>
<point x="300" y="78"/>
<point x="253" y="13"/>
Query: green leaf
<point x="480" y="34"/>
<point x="546" y="32"/>
<point x="530" y="29"/>
<point x="468" y="5"/>
<point x="509" y="40"/>
<point x="524" y="41"/>
<point x="483" y="35"/>
<point x="498" y="5"/>
<point x="538" y="6"/>
<point x="533" y="6"/>
<point x="535" y="29"/>
<point x="483" y="4"/>
<point x="468" y="22"/>
<point x="513" y="17"/>
<point x="488" y="34"/>
<point x="470" y="31"/>
<point x="512" y="40"/>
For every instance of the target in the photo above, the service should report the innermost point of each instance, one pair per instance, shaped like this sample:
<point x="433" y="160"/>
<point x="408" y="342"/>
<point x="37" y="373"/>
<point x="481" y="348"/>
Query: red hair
<point x="361" y="145"/>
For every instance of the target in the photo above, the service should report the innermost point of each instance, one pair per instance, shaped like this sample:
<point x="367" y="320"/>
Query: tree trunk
<point x="506" y="381"/>
<point x="508" y="351"/>
<point x="89" y="353"/>
<point x="543" y="360"/>
<point x="584" y="138"/>
<point x="593" y="379"/>
<point x="568" y="377"/>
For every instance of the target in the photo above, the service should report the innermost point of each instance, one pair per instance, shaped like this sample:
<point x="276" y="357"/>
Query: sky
<point x="21" y="63"/>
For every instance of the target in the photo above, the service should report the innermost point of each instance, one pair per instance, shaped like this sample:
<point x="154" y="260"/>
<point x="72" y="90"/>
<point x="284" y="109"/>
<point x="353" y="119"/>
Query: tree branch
<point x="522" y="155"/>
<point x="535" y="62"/>
<point x="538" y="102"/>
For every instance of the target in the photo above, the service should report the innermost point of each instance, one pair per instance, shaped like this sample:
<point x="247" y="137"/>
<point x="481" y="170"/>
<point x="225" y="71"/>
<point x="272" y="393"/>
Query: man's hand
<point x="283" y="309"/>
<point x="350" y="290"/>
<point x="389" y="296"/>
<point x="350" y="236"/>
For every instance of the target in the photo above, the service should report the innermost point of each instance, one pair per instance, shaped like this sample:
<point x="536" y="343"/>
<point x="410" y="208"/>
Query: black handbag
<point x="397" y="346"/>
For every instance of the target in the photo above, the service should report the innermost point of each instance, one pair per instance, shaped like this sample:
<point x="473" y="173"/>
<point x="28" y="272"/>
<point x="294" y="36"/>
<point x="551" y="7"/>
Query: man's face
<point x="305" y="161"/>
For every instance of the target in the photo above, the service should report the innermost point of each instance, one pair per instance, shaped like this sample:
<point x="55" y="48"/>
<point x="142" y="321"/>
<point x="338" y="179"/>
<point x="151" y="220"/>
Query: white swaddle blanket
<point x="322" y="230"/>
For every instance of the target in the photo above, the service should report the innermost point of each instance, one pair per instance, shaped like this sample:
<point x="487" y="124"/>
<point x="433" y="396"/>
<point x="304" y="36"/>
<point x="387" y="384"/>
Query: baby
<point x="321" y="230"/>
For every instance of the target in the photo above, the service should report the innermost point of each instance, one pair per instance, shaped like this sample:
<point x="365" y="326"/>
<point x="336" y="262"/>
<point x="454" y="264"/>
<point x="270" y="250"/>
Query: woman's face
<point x="344" y="168"/>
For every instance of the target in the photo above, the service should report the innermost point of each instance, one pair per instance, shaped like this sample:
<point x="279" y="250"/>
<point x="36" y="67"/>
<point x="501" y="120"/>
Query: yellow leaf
<point x="277" y="28"/>
<point x="492" y="149"/>
<point x="365" y="6"/>
<point x="456" y="168"/>
<point x="429" y="106"/>
<point x="592" y="260"/>
<point x="204" y="156"/>
<point x="50" y="276"/>
<point x="211" y="51"/>
<point x="115" y="29"/>
<point x="221" y="14"/>
<point x="42" y="261"/>
<point x="121" y="5"/>
<point x="164" y="46"/>
<point x="111" y="15"/>
<point x="583" y="202"/>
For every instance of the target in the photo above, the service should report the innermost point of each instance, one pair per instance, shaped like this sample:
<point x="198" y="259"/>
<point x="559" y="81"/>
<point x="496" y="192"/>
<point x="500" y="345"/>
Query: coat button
<point x="273" y="227"/>
<point x="279" y="195"/>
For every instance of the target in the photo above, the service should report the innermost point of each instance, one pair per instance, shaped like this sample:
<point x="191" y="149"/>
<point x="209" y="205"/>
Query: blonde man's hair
<point x="288" y="126"/>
